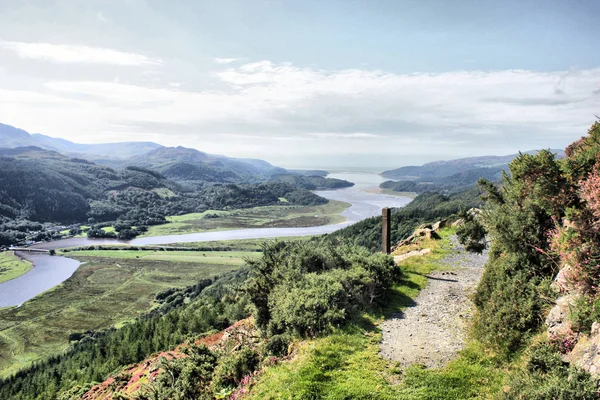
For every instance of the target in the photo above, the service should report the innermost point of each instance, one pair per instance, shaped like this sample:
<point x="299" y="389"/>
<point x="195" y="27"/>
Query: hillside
<point x="312" y="182"/>
<point x="440" y="169"/>
<point x="177" y="163"/>
<point x="185" y="164"/>
<point x="45" y="186"/>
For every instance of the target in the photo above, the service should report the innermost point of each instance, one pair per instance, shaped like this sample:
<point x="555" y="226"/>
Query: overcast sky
<point x="321" y="83"/>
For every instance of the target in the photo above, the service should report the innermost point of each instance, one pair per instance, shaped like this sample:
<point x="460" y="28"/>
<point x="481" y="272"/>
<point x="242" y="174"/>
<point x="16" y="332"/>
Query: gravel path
<point x="432" y="331"/>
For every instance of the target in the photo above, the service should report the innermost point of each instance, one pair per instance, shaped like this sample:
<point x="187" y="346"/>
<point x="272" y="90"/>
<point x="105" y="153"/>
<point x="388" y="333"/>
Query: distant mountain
<point x="15" y="137"/>
<point x="440" y="169"/>
<point x="185" y="164"/>
<point x="177" y="163"/>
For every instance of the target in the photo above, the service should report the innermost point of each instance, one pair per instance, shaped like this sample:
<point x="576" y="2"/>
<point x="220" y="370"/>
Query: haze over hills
<point x="11" y="136"/>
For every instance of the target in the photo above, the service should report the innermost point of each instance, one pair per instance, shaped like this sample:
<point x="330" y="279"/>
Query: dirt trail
<point x="432" y="330"/>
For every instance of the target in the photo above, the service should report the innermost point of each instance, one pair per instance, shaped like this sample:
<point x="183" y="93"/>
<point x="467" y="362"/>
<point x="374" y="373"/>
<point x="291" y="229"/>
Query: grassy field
<point x="391" y="192"/>
<point x="257" y="217"/>
<point x="347" y="365"/>
<point x="205" y="257"/>
<point x="110" y="288"/>
<point x="11" y="266"/>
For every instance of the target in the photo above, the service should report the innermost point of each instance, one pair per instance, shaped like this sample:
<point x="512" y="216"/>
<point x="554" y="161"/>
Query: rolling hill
<point x="441" y="169"/>
<point x="177" y="163"/>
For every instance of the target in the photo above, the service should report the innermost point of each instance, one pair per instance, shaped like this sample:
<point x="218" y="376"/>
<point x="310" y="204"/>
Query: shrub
<point x="546" y="376"/>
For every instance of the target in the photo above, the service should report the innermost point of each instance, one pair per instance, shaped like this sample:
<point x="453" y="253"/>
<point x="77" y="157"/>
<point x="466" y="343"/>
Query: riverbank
<point x="391" y="192"/>
<point x="12" y="266"/>
<point x="110" y="288"/>
<point x="256" y="217"/>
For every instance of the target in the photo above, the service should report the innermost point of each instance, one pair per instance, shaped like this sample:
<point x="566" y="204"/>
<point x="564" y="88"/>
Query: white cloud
<point x="357" y="135"/>
<point x="279" y="110"/>
<point x="63" y="53"/>
<point x="219" y="60"/>
<point x="100" y="16"/>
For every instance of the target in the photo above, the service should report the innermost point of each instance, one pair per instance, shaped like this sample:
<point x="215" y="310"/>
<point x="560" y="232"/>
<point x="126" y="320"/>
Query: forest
<point x="41" y="188"/>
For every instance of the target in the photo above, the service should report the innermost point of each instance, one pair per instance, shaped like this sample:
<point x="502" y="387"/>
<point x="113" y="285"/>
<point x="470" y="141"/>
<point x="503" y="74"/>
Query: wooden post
<point x="386" y="235"/>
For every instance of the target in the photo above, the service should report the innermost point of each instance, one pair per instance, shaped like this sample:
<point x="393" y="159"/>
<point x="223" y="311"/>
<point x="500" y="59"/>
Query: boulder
<point x="558" y="321"/>
<point x="586" y="353"/>
<point x="458" y="222"/>
<point x="414" y="253"/>
<point x="438" y="225"/>
<point x="564" y="281"/>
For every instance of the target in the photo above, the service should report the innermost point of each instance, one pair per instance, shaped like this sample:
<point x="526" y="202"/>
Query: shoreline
<point x="391" y="192"/>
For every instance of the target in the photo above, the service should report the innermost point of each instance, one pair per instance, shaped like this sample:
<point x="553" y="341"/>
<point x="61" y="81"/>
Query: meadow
<point x="256" y="217"/>
<point x="110" y="288"/>
<point x="11" y="266"/>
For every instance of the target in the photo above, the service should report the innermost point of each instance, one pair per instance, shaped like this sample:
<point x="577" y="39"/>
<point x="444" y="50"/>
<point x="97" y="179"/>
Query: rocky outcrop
<point x="586" y="354"/>
<point x="425" y="231"/>
<point x="413" y="253"/>
<point x="558" y="321"/>
<point x="564" y="282"/>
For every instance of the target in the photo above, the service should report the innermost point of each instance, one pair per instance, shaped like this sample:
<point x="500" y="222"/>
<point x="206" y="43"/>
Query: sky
<point x="305" y="83"/>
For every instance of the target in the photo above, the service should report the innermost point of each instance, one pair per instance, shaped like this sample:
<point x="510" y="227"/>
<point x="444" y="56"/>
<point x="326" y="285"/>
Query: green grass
<point x="347" y="365"/>
<point x="108" y="229"/>
<point x="110" y="288"/>
<point x="12" y="267"/>
<point x="282" y="216"/>
<point x="203" y="257"/>
<point x="238" y="244"/>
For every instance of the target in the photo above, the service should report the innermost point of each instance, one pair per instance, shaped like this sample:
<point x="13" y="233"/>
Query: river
<point x="50" y="271"/>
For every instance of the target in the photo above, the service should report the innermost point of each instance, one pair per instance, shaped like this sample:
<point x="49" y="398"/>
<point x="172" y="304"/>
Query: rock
<point x="586" y="353"/>
<point x="414" y="253"/>
<point x="458" y="222"/>
<point x="565" y="280"/>
<point x="558" y="318"/>
<point x="438" y="225"/>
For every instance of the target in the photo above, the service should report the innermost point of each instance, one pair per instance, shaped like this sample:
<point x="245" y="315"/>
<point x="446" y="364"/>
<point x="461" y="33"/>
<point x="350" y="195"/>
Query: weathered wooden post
<point x="386" y="236"/>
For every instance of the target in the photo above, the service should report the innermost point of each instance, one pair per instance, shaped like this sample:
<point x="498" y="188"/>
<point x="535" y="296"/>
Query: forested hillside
<point x="455" y="183"/>
<point x="425" y="208"/>
<point x="184" y="164"/>
<point x="440" y="169"/>
<point x="44" y="186"/>
<point x="312" y="182"/>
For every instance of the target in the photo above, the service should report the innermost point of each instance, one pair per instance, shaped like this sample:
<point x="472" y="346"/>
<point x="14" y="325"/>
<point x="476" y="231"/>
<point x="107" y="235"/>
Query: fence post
<point x="386" y="235"/>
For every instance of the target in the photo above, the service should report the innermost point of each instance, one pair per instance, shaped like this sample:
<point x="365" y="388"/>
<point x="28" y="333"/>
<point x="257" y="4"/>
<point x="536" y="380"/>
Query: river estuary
<point x="50" y="271"/>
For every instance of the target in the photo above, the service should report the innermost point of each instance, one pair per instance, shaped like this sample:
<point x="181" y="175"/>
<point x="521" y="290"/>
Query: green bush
<point x="308" y="287"/>
<point x="546" y="376"/>
<point x="233" y="367"/>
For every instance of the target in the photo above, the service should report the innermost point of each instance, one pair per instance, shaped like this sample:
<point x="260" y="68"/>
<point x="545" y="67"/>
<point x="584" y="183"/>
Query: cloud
<point x="357" y="135"/>
<point x="100" y="16"/>
<point x="219" y="60"/>
<point x="62" y="53"/>
<point x="280" y="110"/>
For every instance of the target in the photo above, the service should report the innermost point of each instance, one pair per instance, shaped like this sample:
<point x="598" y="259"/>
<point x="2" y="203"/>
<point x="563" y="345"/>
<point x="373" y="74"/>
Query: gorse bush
<point x="546" y="376"/>
<point x="541" y="220"/>
<point x="307" y="288"/>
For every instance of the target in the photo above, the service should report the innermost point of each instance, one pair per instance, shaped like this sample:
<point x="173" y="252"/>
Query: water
<point x="50" y="271"/>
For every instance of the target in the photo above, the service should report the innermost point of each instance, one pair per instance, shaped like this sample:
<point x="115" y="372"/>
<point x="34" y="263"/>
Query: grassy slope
<point x="257" y="217"/>
<point x="11" y="266"/>
<point x="346" y="364"/>
<point x="103" y="292"/>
